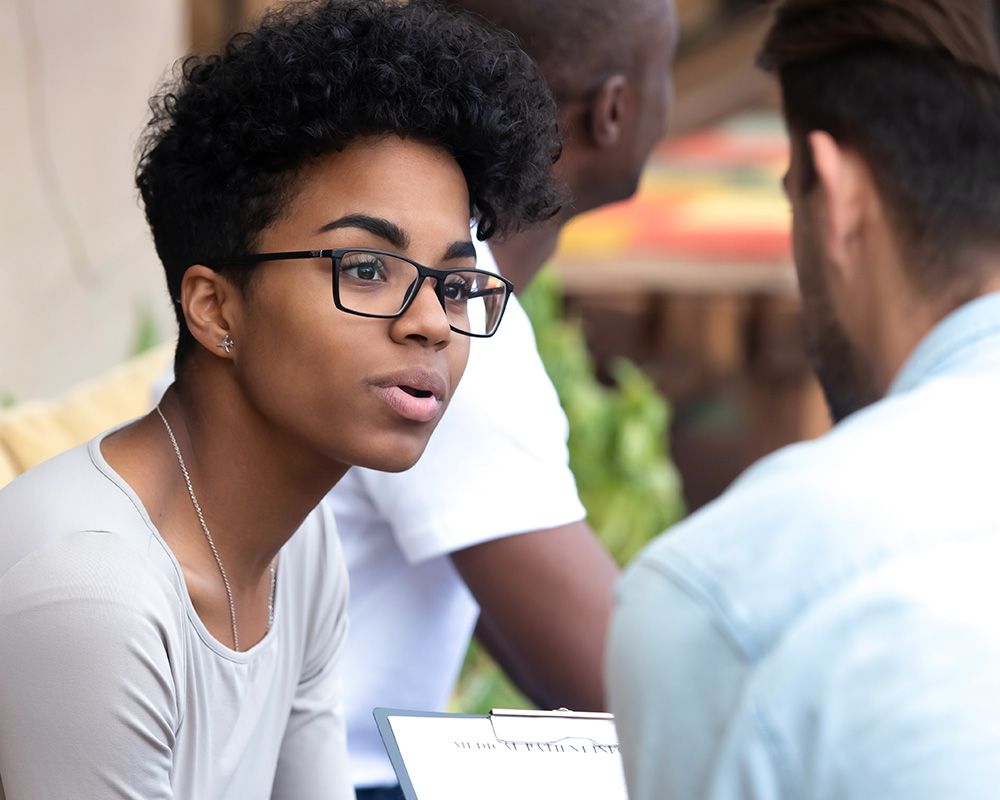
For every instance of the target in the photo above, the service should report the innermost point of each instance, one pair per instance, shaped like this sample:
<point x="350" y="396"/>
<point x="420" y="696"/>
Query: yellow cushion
<point x="33" y="432"/>
<point x="8" y="471"/>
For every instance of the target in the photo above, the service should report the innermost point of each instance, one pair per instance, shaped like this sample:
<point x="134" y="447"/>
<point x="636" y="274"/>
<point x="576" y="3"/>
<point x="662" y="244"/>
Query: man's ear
<point x="608" y="111"/>
<point x="211" y="308"/>
<point x="843" y="188"/>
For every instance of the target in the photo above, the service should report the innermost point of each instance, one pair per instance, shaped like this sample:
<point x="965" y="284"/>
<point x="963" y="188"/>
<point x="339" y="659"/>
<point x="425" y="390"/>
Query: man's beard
<point x="844" y="373"/>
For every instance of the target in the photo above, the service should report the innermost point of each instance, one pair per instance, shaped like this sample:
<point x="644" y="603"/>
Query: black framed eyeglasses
<point x="383" y="285"/>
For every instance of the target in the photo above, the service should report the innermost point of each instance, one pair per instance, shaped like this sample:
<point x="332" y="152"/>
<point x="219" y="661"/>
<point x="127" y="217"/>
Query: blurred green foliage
<point x="483" y="686"/>
<point x="618" y="440"/>
<point x="619" y="453"/>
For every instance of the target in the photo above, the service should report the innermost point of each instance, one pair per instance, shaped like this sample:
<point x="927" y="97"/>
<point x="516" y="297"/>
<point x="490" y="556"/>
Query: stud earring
<point x="227" y="344"/>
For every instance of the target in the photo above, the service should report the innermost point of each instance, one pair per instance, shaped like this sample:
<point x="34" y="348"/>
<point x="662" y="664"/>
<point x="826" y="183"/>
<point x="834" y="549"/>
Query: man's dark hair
<point x="230" y="134"/>
<point x="914" y="87"/>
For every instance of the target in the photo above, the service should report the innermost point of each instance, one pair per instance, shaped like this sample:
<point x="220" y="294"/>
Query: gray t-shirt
<point x="111" y="687"/>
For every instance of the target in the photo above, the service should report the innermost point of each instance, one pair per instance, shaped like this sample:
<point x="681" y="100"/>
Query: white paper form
<point x="458" y="758"/>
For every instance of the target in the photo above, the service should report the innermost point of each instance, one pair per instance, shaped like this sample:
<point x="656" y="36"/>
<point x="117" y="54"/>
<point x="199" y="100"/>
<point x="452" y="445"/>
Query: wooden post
<point x="212" y="22"/>
<point x="254" y="9"/>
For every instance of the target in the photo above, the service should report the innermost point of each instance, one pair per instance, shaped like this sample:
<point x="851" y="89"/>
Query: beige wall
<point x="77" y="267"/>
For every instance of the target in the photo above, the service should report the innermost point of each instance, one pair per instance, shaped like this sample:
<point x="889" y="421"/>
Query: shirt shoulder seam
<point x="690" y="580"/>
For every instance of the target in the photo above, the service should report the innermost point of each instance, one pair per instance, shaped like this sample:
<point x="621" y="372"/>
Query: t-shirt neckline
<point x="97" y="458"/>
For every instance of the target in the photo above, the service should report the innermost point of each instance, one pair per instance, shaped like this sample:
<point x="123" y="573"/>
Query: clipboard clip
<point x="518" y="726"/>
<point x="557" y="713"/>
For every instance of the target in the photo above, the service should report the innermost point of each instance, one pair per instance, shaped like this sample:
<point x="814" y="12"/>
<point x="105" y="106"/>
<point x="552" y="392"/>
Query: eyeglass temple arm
<point x="246" y="261"/>
<point x="488" y="292"/>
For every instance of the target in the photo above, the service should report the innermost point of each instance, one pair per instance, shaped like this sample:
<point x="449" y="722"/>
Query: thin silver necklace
<point x="211" y="542"/>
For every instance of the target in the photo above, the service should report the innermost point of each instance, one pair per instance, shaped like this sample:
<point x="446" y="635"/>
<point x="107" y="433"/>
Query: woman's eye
<point x="457" y="289"/>
<point x="368" y="270"/>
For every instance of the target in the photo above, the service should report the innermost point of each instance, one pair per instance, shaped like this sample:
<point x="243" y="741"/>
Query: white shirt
<point x="112" y="687"/>
<point x="497" y="465"/>
<point x="828" y="628"/>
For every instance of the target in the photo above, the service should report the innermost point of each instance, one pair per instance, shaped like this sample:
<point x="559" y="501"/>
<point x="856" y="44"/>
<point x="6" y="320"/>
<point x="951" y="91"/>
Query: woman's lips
<point x="416" y="394"/>
<point x="408" y="406"/>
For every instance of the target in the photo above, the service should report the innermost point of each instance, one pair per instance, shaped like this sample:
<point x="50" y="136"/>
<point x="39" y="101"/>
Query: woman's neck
<point x="254" y="482"/>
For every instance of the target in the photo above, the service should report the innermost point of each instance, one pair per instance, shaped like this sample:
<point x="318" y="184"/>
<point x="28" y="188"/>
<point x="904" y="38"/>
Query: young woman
<point x="171" y="606"/>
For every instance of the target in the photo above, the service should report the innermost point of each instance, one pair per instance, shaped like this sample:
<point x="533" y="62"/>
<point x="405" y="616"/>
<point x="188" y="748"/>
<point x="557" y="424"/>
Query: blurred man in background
<point x="828" y="627"/>
<point x="489" y="524"/>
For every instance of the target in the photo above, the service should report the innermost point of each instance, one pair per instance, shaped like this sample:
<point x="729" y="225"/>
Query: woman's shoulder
<point x="88" y="572"/>
<point x="69" y="531"/>
<point x="74" y="491"/>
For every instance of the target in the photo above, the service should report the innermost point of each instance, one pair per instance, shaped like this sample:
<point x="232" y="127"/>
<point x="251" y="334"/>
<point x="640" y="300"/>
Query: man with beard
<point x="827" y="628"/>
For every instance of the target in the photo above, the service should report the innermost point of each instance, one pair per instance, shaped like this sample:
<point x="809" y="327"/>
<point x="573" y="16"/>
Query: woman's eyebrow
<point x="465" y="249"/>
<point x="378" y="226"/>
<point x="392" y="233"/>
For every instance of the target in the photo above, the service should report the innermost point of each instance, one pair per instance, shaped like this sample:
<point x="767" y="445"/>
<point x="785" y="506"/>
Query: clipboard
<point x="510" y="754"/>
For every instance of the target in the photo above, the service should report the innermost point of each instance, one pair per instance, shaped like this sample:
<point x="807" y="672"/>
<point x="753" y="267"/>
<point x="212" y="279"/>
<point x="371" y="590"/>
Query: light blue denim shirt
<point x="830" y="627"/>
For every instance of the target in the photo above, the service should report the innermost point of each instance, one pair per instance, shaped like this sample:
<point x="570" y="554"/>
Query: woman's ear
<point x="212" y="307"/>
<point x="608" y="111"/>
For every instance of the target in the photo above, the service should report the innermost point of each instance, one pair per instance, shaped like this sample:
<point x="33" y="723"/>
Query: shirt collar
<point x="964" y="334"/>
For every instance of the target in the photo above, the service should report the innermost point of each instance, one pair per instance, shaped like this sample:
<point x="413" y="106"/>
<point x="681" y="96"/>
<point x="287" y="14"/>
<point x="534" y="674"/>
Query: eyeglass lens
<point x="381" y="285"/>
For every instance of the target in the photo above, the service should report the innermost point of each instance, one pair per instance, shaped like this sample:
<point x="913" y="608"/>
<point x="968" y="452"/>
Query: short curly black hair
<point x="230" y="133"/>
